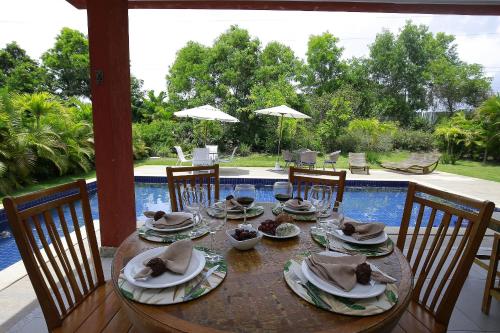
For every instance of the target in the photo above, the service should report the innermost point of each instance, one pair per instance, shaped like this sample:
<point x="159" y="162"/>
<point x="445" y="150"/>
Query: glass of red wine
<point x="283" y="191"/>
<point x="245" y="195"/>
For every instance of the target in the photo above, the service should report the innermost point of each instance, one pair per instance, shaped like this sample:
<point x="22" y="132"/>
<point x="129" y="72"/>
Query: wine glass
<point x="320" y="196"/>
<point x="338" y="213"/>
<point x="283" y="191"/>
<point x="194" y="199"/>
<point x="245" y="195"/>
<point x="215" y="222"/>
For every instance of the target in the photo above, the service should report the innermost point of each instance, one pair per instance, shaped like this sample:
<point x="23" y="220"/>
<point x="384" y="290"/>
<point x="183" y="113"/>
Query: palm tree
<point x="489" y="116"/>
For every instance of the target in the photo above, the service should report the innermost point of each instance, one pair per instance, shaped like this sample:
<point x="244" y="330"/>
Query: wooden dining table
<point x="254" y="296"/>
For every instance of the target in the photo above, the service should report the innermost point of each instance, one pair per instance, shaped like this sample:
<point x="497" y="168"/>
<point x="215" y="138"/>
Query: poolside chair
<point x="181" y="157"/>
<point x="308" y="159"/>
<point x="303" y="179"/>
<point x="422" y="163"/>
<point x="66" y="274"/>
<point x="439" y="273"/>
<point x="331" y="159"/>
<point x="212" y="151"/>
<point x="229" y="158"/>
<point x="201" y="157"/>
<point x="357" y="161"/>
<point x="179" y="178"/>
<point x="288" y="157"/>
<point x="492" y="256"/>
<point x="296" y="155"/>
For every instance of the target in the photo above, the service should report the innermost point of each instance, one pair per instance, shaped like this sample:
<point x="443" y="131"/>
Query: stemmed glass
<point x="215" y="222"/>
<point x="320" y="196"/>
<point x="245" y="195"/>
<point x="194" y="199"/>
<point x="338" y="213"/>
<point x="283" y="191"/>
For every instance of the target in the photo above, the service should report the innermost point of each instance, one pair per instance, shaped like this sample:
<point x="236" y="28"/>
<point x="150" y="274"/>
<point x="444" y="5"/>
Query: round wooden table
<point x="254" y="296"/>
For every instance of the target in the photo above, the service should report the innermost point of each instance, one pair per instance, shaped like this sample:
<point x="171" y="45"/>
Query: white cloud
<point x="156" y="35"/>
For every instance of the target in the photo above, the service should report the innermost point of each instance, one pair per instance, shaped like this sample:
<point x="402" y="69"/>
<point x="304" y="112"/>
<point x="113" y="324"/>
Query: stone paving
<point x="21" y="311"/>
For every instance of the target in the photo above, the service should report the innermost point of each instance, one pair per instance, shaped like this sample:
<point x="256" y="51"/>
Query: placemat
<point x="166" y="237"/>
<point x="252" y="212"/>
<point x="173" y="295"/>
<point x="340" y="246"/>
<point x="342" y="305"/>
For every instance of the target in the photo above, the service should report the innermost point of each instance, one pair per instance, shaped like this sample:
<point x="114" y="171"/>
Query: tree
<point x="68" y="63"/>
<point x="488" y="115"/>
<point x="456" y="85"/>
<point x="278" y="62"/>
<point x="136" y="98"/>
<point x="20" y="73"/>
<point x="325" y="69"/>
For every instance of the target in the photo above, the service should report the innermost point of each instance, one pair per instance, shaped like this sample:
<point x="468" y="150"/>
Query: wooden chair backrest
<point x="303" y="179"/>
<point x="440" y="274"/>
<point x="180" y="177"/>
<point x="49" y="224"/>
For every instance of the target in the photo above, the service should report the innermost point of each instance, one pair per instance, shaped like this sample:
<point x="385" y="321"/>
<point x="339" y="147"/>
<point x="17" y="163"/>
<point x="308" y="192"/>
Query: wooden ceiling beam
<point x="317" y="5"/>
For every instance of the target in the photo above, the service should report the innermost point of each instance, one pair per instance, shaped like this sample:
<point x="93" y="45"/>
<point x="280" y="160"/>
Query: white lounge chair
<point x="331" y="159"/>
<point x="229" y="158"/>
<point x="201" y="157"/>
<point x="181" y="157"/>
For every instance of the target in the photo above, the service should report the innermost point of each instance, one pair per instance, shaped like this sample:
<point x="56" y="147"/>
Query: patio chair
<point x="303" y="179"/>
<point x="180" y="177"/>
<point x="181" y="157"/>
<point x="308" y="159"/>
<point x="331" y="159"/>
<point x="201" y="157"/>
<point x="422" y="163"/>
<point x="296" y="155"/>
<point x="288" y="157"/>
<point x="69" y="285"/>
<point x="229" y="158"/>
<point x="492" y="256"/>
<point x="439" y="273"/>
<point x="212" y="151"/>
<point x="357" y="161"/>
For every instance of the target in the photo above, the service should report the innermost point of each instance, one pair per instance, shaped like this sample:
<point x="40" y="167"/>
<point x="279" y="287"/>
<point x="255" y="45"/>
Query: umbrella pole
<point x="277" y="166"/>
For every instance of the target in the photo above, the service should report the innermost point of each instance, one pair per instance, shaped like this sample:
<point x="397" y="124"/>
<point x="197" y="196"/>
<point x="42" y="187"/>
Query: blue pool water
<point x="383" y="204"/>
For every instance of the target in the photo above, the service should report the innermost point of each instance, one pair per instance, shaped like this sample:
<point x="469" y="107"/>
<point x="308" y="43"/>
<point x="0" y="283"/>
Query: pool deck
<point x="21" y="311"/>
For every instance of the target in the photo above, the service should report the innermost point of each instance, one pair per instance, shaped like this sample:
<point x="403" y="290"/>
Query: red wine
<point x="282" y="197"/>
<point x="245" y="201"/>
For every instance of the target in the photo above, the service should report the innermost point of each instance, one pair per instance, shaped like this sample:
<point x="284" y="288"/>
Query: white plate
<point x="372" y="241"/>
<point x="311" y="210"/>
<point x="167" y="279"/>
<point x="359" y="291"/>
<point x="149" y="224"/>
<point x="295" y="233"/>
<point x="237" y="210"/>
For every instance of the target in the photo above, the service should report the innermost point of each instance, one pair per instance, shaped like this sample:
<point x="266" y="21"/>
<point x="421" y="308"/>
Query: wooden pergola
<point x="110" y="82"/>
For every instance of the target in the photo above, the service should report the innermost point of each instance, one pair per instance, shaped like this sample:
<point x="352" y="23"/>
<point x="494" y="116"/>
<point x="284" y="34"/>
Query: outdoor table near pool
<point x="254" y="295"/>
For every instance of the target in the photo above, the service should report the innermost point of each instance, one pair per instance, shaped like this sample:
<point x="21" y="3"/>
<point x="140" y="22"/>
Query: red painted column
<point x="110" y="88"/>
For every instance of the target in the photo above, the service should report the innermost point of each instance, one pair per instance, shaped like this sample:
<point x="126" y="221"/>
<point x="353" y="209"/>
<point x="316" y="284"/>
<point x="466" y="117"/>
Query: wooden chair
<point x="439" y="273"/>
<point x="66" y="273"/>
<point x="492" y="256"/>
<point x="303" y="179"/>
<point x="180" y="177"/>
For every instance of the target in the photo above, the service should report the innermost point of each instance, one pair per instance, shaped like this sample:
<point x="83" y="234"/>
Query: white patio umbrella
<point x="206" y="112"/>
<point x="282" y="111"/>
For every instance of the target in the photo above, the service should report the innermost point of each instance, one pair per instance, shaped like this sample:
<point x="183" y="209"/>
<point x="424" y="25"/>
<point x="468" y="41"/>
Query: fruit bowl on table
<point x="243" y="245"/>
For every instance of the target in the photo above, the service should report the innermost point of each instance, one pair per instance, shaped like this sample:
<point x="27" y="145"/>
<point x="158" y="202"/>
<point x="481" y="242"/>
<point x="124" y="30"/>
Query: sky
<point x="156" y="35"/>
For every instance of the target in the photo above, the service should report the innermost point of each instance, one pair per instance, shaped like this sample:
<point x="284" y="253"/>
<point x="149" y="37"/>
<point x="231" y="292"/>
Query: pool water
<point x="384" y="204"/>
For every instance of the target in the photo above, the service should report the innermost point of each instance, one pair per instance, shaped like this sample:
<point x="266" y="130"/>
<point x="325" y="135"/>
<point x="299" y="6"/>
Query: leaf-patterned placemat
<point x="252" y="212"/>
<point x="297" y="217"/>
<point x="338" y="245"/>
<point x="342" y="305"/>
<point x="173" y="295"/>
<point x="165" y="237"/>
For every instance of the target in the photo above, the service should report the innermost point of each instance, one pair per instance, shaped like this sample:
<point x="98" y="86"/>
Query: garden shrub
<point x="413" y="140"/>
<point x="244" y="149"/>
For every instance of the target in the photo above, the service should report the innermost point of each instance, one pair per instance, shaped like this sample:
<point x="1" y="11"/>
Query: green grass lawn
<point x="464" y="168"/>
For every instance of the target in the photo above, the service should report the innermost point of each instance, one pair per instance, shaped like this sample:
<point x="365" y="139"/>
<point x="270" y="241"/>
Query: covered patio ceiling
<point x="461" y="7"/>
